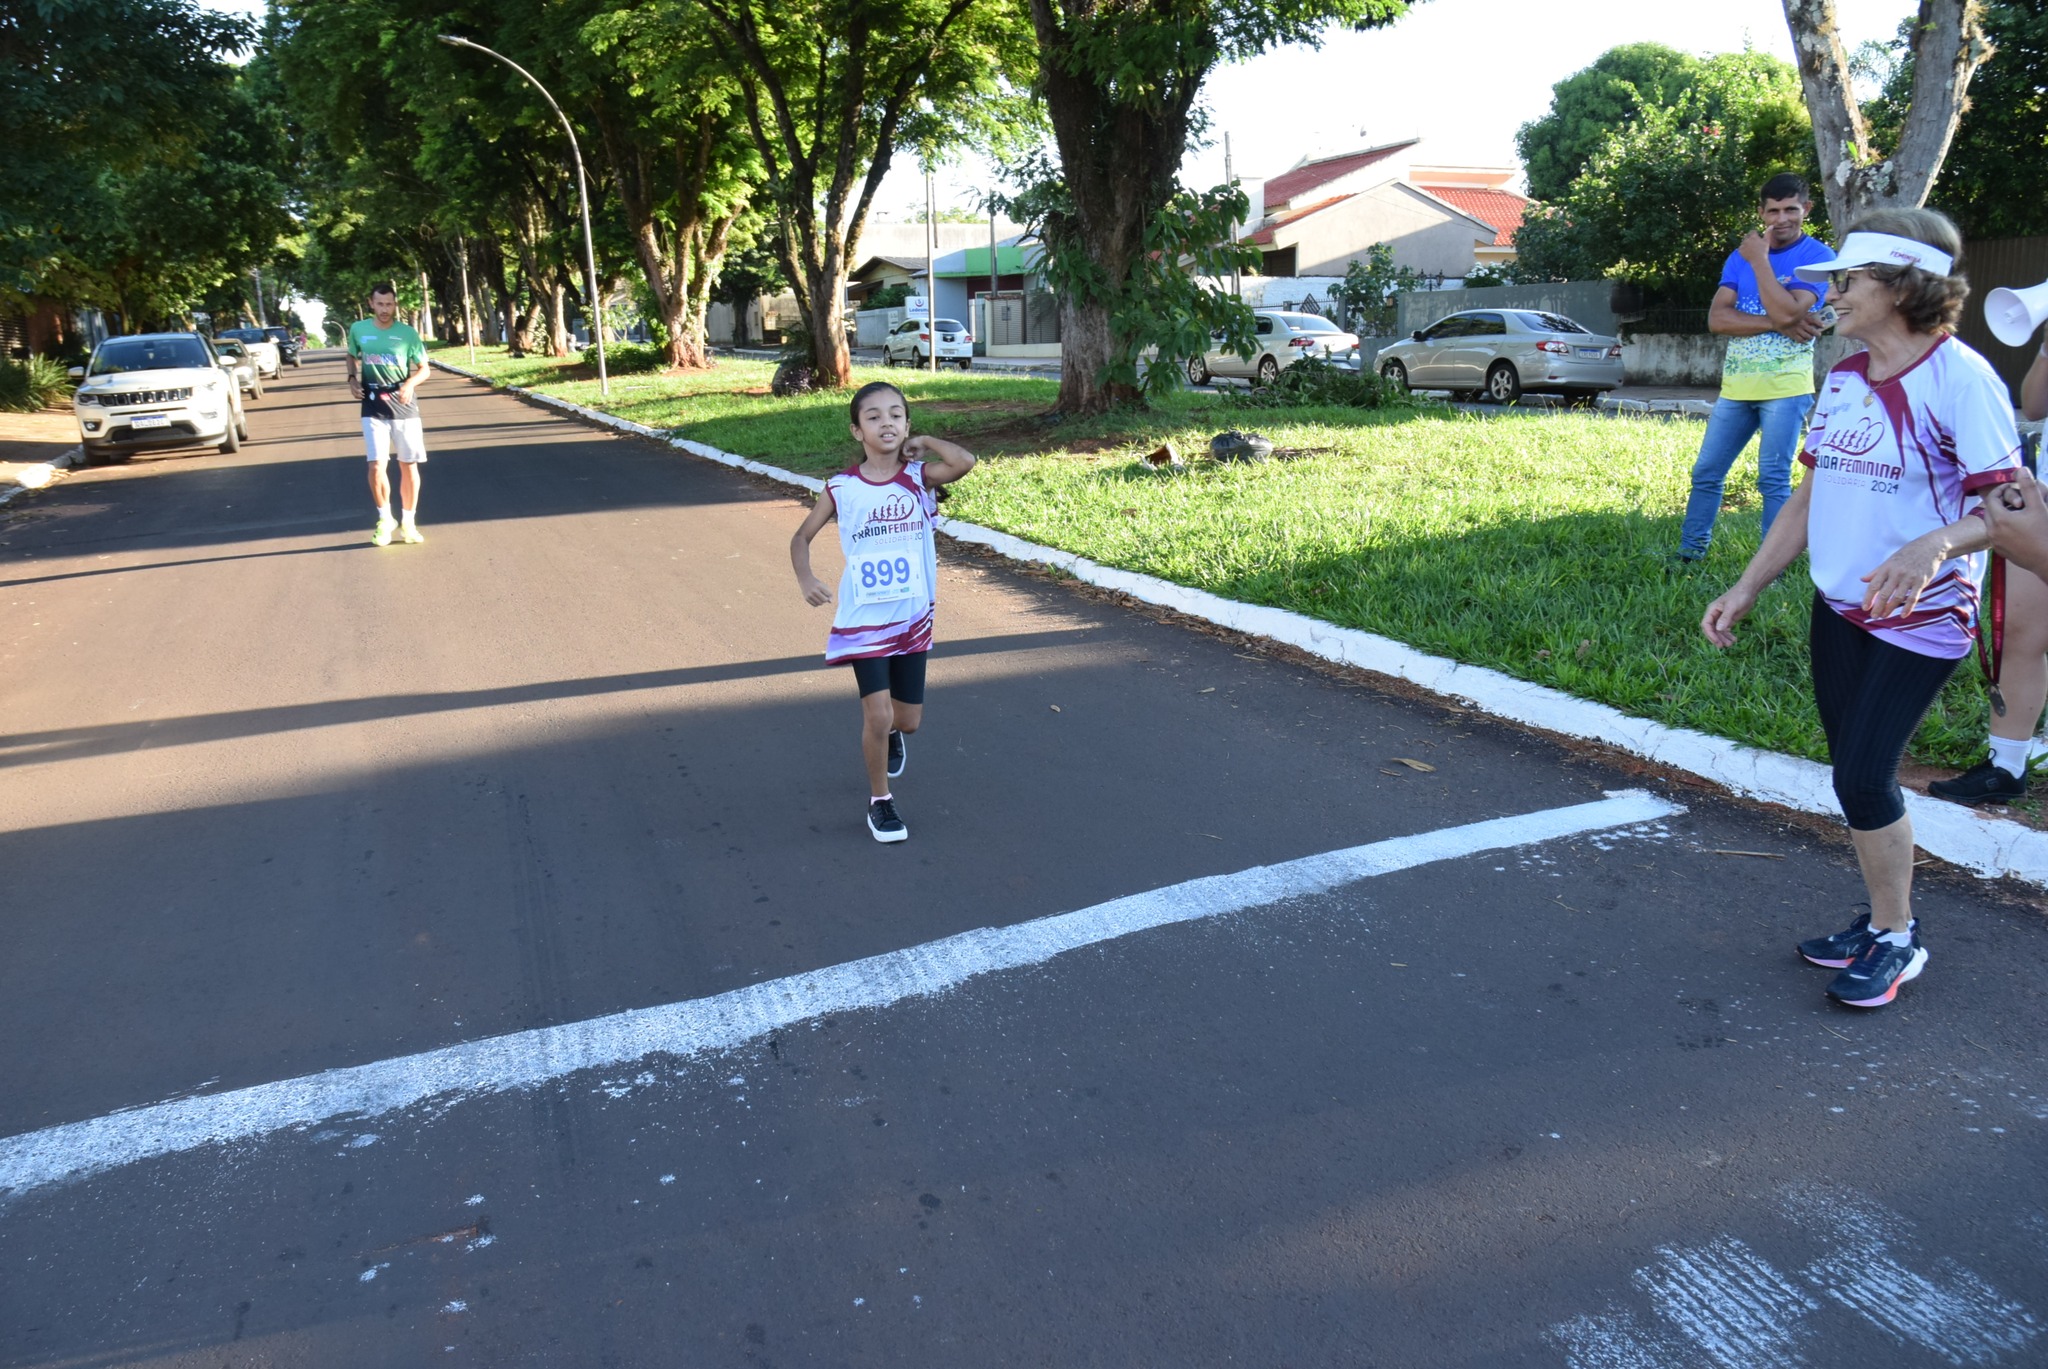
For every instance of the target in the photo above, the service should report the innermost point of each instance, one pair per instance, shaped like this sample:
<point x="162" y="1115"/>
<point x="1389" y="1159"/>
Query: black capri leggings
<point x="1872" y="696"/>
<point x="902" y="676"/>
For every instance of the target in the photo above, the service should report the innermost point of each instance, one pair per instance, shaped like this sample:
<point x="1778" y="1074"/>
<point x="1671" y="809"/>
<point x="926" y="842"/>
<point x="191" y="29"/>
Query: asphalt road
<point x="281" y="808"/>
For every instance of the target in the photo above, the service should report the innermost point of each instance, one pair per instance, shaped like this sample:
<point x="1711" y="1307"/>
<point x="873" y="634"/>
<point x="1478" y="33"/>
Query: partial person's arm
<point x="1895" y="585"/>
<point x="1780" y="549"/>
<point x="1786" y="306"/>
<point x="355" y="384"/>
<point x="821" y="513"/>
<point x="2034" y="389"/>
<point x="944" y="462"/>
<point x="410" y="386"/>
<point x="2019" y="522"/>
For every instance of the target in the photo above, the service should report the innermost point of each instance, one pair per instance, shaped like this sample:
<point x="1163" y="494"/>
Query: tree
<point x="1588" y="105"/>
<point x="1946" y="47"/>
<point x="1994" y="182"/>
<point x="1119" y="79"/>
<point x="1664" y="199"/>
<point x="831" y="88"/>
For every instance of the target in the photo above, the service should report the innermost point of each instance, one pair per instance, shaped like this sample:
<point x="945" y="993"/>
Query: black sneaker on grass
<point x="898" y="754"/>
<point x="883" y="822"/>
<point x="1874" y="979"/>
<point x="1985" y="782"/>
<point x="1838" y="951"/>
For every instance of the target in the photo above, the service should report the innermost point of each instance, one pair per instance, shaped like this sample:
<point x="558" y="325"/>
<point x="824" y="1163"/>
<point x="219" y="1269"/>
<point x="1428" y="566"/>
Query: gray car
<point x="235" y="357"/>
<point x="1503" y="354"/>
<point x="1283" y="338"/>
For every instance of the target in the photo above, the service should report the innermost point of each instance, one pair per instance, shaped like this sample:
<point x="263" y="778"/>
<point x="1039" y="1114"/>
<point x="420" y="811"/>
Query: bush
<point x="1313" y="381"/>
<point x="37" y="383"/>
<point x="627" y="358"/>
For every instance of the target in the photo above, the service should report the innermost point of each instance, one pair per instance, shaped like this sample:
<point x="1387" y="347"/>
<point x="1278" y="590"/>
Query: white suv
<point x="911" y="341"/>
<point x="156" y="390"/>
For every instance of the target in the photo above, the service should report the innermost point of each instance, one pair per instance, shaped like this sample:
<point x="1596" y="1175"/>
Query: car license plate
<point x="1592" y="351"/>
<point x="150" y="421"/>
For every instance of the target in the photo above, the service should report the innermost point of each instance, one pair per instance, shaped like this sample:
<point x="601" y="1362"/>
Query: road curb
<point x="38" y="474"/>
<point x="1987" y="846"/>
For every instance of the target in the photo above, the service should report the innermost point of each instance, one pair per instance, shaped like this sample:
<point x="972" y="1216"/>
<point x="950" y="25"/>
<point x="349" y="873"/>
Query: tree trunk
<point x="1948" y="46"/>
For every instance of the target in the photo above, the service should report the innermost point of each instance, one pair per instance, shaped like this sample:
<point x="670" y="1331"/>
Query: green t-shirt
<point x="386" y="357"/>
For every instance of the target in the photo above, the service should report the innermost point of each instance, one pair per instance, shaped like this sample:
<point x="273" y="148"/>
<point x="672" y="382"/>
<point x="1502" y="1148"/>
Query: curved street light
<point x="582" y="194"/>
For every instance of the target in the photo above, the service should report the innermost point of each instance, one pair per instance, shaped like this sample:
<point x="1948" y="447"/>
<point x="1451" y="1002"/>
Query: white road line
<point x="527" y="1059"/>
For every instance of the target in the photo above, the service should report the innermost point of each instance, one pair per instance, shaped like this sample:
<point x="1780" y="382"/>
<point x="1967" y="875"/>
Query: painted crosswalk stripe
<point x="528" y="1059"/>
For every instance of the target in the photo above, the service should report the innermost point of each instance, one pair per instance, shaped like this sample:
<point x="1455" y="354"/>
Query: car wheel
<point x="1269" y="371"/>
<point x="1397" y="373"/>
<point x="242" y="427"/>
<point x="1581" y="399"/>
<point x="95" y="455"/>
<point x="889" y="358"/>
<point x="256" y="390"/>
<point x="966" y="363"/>
<point x="1198" y="371"/>
<point x="1503" y="386"/>
<point x="231" y="441"/>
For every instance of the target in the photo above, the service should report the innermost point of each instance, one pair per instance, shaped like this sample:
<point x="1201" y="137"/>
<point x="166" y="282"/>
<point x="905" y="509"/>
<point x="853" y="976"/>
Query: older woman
<point x="1905" y="436"/>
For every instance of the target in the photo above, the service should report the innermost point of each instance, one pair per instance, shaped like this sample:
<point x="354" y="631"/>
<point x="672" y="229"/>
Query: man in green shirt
<point x="386" y="363"/>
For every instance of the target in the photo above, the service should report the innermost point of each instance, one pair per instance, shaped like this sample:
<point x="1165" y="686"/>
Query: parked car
<point x="1503" y="354"/>
<point x="156" y="390"/>
<point x="235" y="357"/>
<point x="288" y="344"/>
<point x="1283" y="339"/>
<point x="911" y="341"/>
<point x="269" y="359"/>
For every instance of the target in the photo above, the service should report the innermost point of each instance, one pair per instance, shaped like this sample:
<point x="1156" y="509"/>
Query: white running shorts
<point x="381" y="435"/>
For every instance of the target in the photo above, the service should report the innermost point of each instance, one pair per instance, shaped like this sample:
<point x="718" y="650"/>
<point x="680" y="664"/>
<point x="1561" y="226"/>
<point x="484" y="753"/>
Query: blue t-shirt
<point x="1771" y="365"/>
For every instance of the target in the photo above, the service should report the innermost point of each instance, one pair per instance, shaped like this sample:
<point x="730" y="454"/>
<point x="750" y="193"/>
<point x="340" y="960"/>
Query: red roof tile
<point x="1264" y="237"/>
<point x="1289" y="184"/>
<point x="1501" y="208"/>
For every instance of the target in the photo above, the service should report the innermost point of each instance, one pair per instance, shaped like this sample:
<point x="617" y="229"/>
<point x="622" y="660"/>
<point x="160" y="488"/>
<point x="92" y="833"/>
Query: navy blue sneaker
<point x="1874" y="979"/>
<point x="899" y="755"/>
<point x="1984" y="782"/>
<point x="884" y="823"/>
<point x="1838" y="951"/>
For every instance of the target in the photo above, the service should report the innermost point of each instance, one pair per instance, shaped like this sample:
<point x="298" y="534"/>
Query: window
<point x="1263" y="325"/>
<point x="947" y="325"/>
<point x="1485" y="325"/>
<point x="1549" y="323"/>
<point x="149" y="354"/>
<point x="1454" y="326"/>
<point x="1310" y="323"/>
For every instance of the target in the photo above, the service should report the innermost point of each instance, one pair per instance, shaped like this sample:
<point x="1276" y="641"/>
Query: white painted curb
<point x="1988" y="846"/>
<point x="36" y="475"/>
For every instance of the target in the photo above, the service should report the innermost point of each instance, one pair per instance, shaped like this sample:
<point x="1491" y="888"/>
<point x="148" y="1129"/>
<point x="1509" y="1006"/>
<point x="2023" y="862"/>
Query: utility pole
<point x="1230" y="179"/>
<point x="931" y="273"/>
<point x="426" y="307"/>
<point x="604" y="383"/>
<point x="468" y="322"/>
<point x="988" y="310"/>
<point x="262" y="319"/>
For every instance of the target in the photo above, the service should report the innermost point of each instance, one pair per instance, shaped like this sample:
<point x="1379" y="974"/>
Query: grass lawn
<point x="1532" y="543"/>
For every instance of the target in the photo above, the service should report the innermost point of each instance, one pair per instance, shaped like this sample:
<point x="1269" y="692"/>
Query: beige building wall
<point x="1424" y="234"/>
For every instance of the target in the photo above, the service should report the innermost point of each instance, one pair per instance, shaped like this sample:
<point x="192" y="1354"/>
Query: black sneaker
<point x="1874" y="979"/>
<point x="897" y="752"/>
<point x="1838" y="951"/>
<point x="884" y="823"/>
<point x="1984" y="782"/>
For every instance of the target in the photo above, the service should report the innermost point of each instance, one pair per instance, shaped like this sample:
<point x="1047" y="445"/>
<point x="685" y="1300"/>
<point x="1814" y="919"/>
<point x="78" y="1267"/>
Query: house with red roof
<point x="1321" y="214"/>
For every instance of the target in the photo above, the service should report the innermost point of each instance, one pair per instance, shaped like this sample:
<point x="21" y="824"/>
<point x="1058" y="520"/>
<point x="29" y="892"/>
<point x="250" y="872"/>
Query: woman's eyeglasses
<point x="1839" y="280"/>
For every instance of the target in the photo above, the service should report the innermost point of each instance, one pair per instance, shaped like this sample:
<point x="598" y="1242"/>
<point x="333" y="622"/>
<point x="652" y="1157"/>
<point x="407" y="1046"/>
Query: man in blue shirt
<point x="1770" y="318"/>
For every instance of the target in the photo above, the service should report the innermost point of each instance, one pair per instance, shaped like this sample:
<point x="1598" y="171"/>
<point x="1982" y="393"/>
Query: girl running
<point x="883" y="625"/>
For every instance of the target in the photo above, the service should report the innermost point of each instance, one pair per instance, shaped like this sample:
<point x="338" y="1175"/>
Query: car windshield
<point x="148" y="354"/>
<point x="947" y="325"/>
<point x="244" y="334"/>
<point x="278" y="334"/>
<point x="1309" y="323"/>
<point x="1550" y="323"/>
<point x="229" y="347"/>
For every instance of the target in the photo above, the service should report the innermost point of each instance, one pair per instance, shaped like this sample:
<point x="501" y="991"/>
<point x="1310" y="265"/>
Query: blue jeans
<point x="1729" y="428"/>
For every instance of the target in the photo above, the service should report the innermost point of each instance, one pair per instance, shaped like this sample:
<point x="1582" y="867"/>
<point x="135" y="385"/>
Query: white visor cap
<point x="1879" y="249"/>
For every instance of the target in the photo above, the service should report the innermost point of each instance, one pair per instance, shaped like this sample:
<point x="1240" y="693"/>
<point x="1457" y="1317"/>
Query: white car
<point x="1283" y="339"/>
<point x="911" y="341"/>
<point x="269" y="357"/>
<point x="156" y="390"/>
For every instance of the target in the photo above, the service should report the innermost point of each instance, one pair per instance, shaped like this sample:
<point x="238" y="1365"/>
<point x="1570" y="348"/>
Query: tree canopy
<point x="1588" y="105"/>
<point x="1664" y="198"/>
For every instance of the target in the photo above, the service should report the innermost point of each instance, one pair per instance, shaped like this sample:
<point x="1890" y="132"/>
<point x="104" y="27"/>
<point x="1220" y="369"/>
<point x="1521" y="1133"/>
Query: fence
<point x="2014" y="263"/>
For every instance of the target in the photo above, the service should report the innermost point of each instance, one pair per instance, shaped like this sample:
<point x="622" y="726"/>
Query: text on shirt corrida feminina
<point x="887" y="591"/>
<point x="1896" y="460"/>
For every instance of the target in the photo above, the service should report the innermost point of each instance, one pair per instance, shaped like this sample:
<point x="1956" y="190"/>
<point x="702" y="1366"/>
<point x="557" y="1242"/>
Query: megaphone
<point x="2013" y="315"/>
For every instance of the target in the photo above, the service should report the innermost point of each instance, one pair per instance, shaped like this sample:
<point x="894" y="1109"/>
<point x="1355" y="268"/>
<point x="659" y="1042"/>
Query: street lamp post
<point x="582" y="194"/>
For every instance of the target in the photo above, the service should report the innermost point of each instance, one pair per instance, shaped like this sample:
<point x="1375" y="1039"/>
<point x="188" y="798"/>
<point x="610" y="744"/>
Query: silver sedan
<point x="1503" y="354"/>
<point x="1283" y="339"/>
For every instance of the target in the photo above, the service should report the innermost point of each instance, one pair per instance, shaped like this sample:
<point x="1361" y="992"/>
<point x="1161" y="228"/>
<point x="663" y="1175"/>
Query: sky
<point x="1461" y="74"/>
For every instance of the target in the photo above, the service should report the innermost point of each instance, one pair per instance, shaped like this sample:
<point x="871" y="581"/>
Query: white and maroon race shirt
<point x="1895" y="461"/>
<point x="889" y="586"/>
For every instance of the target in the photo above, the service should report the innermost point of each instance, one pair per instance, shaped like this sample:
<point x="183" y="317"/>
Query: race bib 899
<point x="890" y="571"/>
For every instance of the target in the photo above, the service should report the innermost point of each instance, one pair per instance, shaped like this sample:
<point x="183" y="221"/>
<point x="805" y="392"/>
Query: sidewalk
<point x="33" y="448"/>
